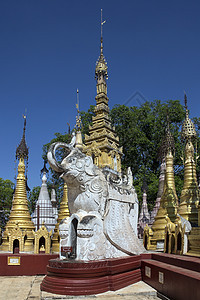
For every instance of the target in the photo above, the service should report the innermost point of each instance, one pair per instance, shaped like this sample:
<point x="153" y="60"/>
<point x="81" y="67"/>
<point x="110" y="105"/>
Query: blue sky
<point x="48" y="49"/>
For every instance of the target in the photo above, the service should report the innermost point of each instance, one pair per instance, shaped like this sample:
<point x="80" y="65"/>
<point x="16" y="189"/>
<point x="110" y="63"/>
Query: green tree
<point x="141" y="130"/>
<point x="32" y="198"/>
<point x="86" y="119"/>
<point x="6" y="196"/>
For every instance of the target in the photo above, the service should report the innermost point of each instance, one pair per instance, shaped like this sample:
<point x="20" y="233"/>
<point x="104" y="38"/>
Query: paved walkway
<point x="28" y="288"/>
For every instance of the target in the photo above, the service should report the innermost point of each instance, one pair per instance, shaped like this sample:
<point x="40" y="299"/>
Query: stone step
<point x="173" y="268"/>
<point x="186" y="262"/>
<point x="136" y="291"/>
<point x="173" y="281"/>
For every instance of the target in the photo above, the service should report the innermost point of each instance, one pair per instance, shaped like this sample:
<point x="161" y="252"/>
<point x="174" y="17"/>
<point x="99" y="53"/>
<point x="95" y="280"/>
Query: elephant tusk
<point x="51" y="156"/>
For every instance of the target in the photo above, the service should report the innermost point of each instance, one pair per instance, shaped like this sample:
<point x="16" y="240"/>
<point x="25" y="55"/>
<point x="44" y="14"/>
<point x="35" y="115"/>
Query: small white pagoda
<point x="45" y="212"/>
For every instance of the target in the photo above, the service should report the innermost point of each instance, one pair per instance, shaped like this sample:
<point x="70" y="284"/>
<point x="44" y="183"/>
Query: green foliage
<point x="141" y="130"/>
<point x="86" y="118"/>
<point x="32" y="198"/>
<point x="6" y="195"/>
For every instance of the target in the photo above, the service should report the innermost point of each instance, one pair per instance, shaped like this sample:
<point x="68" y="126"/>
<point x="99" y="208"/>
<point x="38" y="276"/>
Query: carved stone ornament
<point x="169" y="243"/>
<point x="182" y="231"/>
<point x="103" y="207"/>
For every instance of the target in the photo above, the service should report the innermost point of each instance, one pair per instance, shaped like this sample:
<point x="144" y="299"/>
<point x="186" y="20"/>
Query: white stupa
<point x="44" y="211"/>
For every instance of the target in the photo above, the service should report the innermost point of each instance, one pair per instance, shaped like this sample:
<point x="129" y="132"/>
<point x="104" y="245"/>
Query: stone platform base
<point x="24" y="264"/>
<point x="94" y="277"/>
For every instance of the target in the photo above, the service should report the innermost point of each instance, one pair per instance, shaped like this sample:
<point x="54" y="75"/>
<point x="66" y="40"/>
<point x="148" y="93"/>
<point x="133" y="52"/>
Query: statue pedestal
<point x="72" y="277"/>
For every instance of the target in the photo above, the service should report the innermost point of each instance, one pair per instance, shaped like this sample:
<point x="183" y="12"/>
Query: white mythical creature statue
<point x="103" y="207"/>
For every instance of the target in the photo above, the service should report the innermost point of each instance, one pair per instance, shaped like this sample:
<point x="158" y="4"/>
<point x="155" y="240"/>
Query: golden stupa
<point x="18" y="235"/>
<point x="63" y="213"/>
<point x="154" y="237"/>
<point x="102" y="144"/>
<point x="190" y="194"/>
<point x="189" y="201"/>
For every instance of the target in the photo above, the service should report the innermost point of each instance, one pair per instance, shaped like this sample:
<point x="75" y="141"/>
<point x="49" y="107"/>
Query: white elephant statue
<point x="103" y="207"/>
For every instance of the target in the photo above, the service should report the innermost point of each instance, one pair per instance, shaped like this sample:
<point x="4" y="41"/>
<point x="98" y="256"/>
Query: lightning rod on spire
<point x="78" y="118"/>
<point x="102" y="22"/>
<point x="185" y="99"/>
<point x="101" y="26"/>
<point x="77" y="99"/>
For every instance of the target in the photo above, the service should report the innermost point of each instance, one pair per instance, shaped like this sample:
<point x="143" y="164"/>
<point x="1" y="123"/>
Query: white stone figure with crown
<point x="103" y="207"/>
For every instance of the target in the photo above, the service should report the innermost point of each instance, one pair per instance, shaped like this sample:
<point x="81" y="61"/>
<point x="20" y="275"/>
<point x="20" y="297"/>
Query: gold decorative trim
<point x="14" y="260"/>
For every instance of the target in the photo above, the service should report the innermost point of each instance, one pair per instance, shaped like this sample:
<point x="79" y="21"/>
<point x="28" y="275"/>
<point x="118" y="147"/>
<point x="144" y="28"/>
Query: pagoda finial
<point x="186" y="106"/>
<point x="188" y="129"/>
<point x="167" y="117"/>
<point x="102" y="22"/>
<point x="144" y="187"/>
<point x="22" y="149"/>
<point x="78" y="137"/>
<point x="167" y="142"/>
<point x="185" y="99"/>
<point x="44" y="169"/>
<point x="101" y="65"/>
<point x="78" y="117"/>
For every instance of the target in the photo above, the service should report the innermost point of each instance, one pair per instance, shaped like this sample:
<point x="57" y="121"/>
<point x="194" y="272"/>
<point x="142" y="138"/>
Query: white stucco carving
<point x="186" y="225"/>
<point x="103" y="207"/>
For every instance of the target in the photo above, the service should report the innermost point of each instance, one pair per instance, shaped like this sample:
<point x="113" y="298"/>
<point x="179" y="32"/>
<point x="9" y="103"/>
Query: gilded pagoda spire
<point x="63" y="213"/>
<point x="64" y="209"/>
<point x="22" y="149"/>
<point x="20" y="215"/>
<point x="190" y="195"/>
<point x="188" y="131"/>
<point x="160" y="189"/>
<point x="102" y="143"/>
<point x="79" y="141"/>
<point x="101" y="70"/>
<point x="169" y="199"/>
